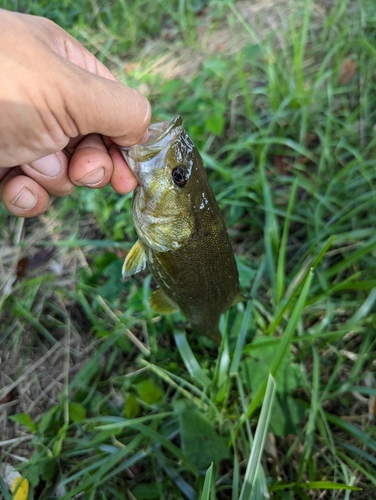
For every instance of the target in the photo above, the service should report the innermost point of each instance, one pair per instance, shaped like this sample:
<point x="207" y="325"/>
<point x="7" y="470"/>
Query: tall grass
<point x="134" y="408"/>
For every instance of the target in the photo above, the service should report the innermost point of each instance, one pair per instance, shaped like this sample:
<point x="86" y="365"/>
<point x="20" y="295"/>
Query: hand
<point x="62" y="114"/>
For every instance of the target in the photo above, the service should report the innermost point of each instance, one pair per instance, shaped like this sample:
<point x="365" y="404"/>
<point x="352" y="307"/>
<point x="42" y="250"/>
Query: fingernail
<point x="49" y="166"/>
<point x="25" y="199"/>
<point x="93" y="178"/>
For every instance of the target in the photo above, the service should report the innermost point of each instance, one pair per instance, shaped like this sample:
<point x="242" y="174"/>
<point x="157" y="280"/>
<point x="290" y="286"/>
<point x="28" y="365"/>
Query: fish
<point x="182" y="236"/>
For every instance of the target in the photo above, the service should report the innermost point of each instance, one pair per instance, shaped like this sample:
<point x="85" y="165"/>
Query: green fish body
<point x="182" y="235"/>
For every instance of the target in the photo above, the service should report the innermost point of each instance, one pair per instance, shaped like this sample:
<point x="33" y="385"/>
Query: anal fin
<point x="239" y="297"/>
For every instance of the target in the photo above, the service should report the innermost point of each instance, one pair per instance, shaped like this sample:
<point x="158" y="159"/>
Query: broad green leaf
<point x="24" y="419"/>
<point x="132" y="406"/>
<point x="199" y="440"/>
<point x="77" y="412"/>
<point x="42" y="467"/>
<point x="257" y="365"/>
<point x="148" y="392"/>
<point x="287" y="414"/>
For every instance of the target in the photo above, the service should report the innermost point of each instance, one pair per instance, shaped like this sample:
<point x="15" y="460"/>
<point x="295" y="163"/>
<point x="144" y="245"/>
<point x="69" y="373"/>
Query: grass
<point x="110" y="400"/>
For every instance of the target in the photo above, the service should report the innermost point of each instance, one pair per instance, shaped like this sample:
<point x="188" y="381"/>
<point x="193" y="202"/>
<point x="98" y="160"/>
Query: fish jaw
<point x="143" y="159"/>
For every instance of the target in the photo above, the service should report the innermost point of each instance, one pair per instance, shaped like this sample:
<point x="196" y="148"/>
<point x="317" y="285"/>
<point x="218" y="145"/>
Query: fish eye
<point x="179" y="176"/>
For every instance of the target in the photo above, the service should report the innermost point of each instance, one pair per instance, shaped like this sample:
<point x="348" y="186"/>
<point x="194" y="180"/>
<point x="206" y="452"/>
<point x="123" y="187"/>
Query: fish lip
<point x="162" y="134"/>
<point x="163" y="129"/>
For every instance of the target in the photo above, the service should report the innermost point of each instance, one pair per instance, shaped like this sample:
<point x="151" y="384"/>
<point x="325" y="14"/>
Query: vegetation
<point x="108" y="400"/>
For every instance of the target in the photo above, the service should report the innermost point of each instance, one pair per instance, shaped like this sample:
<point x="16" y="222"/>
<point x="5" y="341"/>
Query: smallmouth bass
<point x="182" y="235"/>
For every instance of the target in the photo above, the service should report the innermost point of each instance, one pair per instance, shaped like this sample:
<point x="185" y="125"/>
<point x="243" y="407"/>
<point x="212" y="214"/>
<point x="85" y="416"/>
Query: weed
<point x="131" y="407"/>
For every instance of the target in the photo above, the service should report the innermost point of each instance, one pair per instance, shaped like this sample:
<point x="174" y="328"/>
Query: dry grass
<point x="171" y="58"/>
<point x="35" y="369"/>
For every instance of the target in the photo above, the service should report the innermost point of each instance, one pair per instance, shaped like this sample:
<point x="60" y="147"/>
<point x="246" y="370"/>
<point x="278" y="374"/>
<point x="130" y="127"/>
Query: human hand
<point x="62" y="114"/>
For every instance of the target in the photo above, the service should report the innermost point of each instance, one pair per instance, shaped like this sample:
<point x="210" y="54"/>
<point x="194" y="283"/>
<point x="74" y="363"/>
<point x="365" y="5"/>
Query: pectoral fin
<point x="135" y="261"/>
<point x="161" y="303"/>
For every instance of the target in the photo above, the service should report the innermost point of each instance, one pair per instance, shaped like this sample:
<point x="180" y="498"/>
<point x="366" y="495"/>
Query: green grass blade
<point x="189" y="359"/>
<point x="122" y="423"/>
<point x="205" y="495"/>
<point x="258" y="442"/>
<point x="158" y="437"/>
<point x="247" y="321"/>
<point x="236" y="477"/>
<point x="356" y="466"/>
<point x="189" y="391"/>
<point x="299" y="40"/>
<point x="352" y="258"/>
<point x="353" y="430"/>
<point x="180" y="482"/>
<point x="315" y="485"/>
<point x="283" y="346"/>
<point x="26" y="315"/>
<point x="311" y="424"/>
<point x="281" y="264"/>
<point x="271" y="230"/>
<point x="328" y="485"/>
<point x="221" y="379"/>
<point x="91" y="480"/>
<point x="241" y="339"/>
<point x="294" y="287"/>
<point x="4" y="490"/>
<point x="361" y="453"/>
<point x="364" y="310"/>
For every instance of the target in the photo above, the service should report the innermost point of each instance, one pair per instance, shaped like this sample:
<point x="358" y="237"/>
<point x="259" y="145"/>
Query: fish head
<point x="164" y="167"/>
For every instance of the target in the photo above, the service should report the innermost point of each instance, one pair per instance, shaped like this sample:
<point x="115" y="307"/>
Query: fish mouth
<point x="161" y="136"/>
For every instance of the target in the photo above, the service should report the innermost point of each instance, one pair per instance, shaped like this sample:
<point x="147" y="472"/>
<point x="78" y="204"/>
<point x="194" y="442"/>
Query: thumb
<point x="96" y="104"/>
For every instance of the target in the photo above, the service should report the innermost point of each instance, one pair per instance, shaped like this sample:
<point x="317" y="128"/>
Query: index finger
<point x="95" y="104"/>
